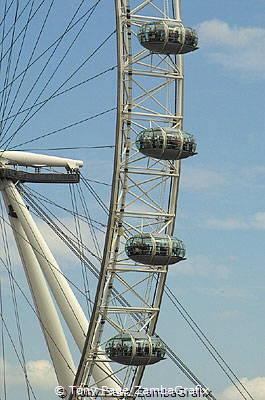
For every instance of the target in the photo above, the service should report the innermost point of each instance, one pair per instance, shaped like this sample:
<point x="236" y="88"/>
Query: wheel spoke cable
<point x="60" y="93"/>
<point x="206" y="342"/>
<point x="65" y="127"/>
<point x="6" y="118"/>
<point x="91" y="10"/>
<point x="8" y="141"/>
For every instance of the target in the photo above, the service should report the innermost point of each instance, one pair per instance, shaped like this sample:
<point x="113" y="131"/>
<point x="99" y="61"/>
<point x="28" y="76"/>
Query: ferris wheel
<point x="150" y="142"/>
<point x="119" y="341"/>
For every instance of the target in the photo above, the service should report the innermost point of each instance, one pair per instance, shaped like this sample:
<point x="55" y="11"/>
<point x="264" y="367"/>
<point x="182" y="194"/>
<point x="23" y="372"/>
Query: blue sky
<point x="221" y="210"/>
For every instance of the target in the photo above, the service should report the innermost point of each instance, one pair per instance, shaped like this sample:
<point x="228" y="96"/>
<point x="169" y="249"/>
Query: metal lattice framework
<point x="144" y="191"/>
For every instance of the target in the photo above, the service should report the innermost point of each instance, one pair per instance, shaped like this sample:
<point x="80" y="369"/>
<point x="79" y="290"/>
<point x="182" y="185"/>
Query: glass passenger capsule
<point x="166" y="143"/>
<point x="155" y="249"/>
<point x="135" y="348"/>
<point x="167" y="37"/>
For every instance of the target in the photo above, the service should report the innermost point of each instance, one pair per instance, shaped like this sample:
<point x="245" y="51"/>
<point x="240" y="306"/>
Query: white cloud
<point x="40" y="374"/>
<point x="219" y="33"/>
<point x="201" y="178"/>
<point x="256" y="388"/>
<point x="228" y="314"/>
<point x="227" y="292"/>
<point x="236" y="48"/>
<point x="226" y="224"/>
<point x="255" y="221"/>
<point x="258" y="220"/>
<point x="200" y="265"/>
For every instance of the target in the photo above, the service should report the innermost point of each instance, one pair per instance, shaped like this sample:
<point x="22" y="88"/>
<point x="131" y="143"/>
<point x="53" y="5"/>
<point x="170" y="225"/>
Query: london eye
<point x="99" y="324"/>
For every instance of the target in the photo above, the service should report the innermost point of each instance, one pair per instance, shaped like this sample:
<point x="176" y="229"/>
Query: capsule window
<point x="147" y="246"/>
<point x="172" y="142"/>
<point x="126" y="347"/>
<point x="142" y="347"/>
<point x="162" y="247"/>
<point x="139" y="246"/>
<point x="178" y="249"/>
<point x="190" y="37"/>
<point x="146" y="349"/>
<point x="173" y="36"/>
<point x="158" y="348"/>
<point x="139" y="349"/>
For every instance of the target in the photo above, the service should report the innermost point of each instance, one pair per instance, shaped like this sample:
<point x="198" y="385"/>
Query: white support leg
<point x="53" y="332"/>
<point x="65" y="298"/>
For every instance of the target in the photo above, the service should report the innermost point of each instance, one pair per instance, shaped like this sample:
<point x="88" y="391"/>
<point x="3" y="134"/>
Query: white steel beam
<point x="49" y="321"/>
<point x="65" y="298"/>
<point x="37" y="160"/>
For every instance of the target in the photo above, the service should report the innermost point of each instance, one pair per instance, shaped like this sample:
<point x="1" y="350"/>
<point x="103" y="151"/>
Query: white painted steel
<point x="37" y="160"/>
<point x="63" y="294"/>
<point x="49" y="321"/>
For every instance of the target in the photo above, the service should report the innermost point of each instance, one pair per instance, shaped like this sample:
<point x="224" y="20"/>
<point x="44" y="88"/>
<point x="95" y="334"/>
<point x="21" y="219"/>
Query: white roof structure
<point x="37" y="160"/>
